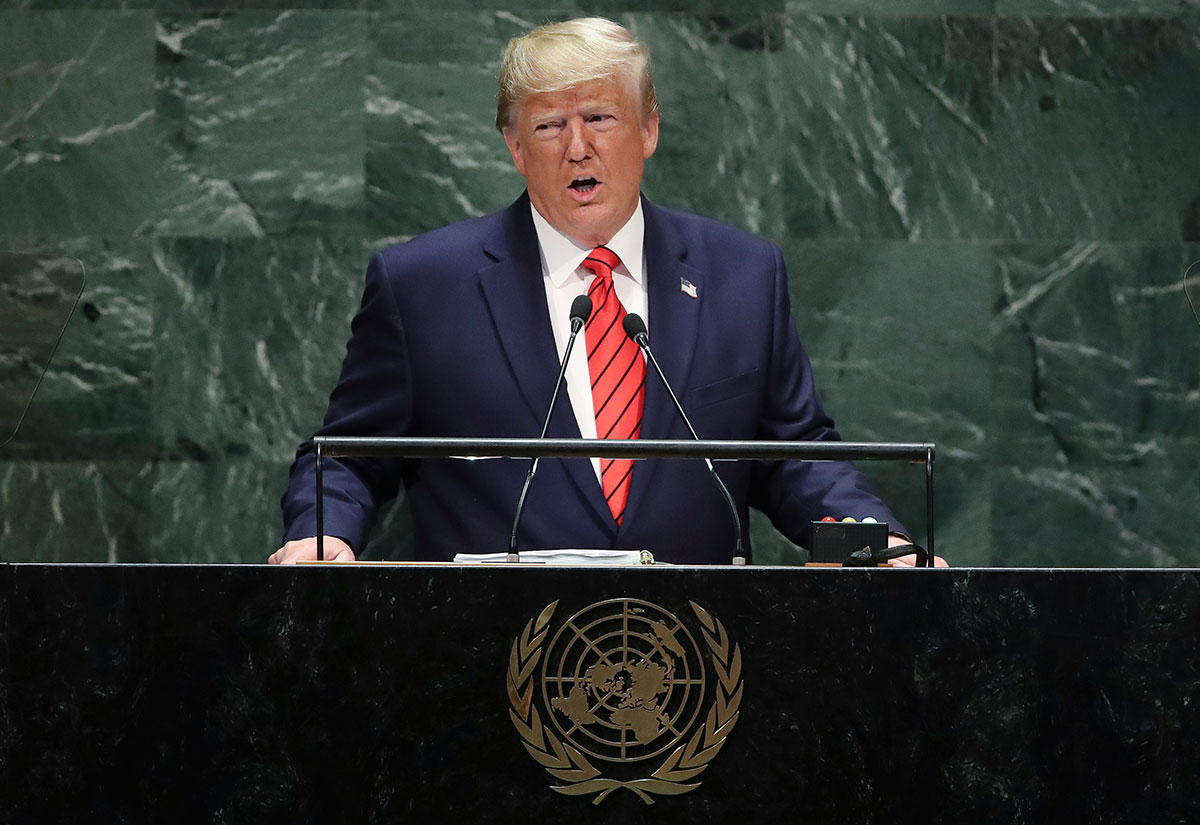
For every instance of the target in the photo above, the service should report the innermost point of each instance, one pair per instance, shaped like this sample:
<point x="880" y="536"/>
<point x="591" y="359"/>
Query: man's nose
<point x="577" y="145"/>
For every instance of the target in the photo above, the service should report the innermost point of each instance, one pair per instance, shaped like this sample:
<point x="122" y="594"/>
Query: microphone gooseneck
<point x="635" y="328"/>
<point x="581" y="310"/>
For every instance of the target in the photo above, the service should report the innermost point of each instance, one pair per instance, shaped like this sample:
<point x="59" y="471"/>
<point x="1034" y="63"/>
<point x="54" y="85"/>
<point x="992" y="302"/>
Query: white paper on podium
<point x="584" y="557"/>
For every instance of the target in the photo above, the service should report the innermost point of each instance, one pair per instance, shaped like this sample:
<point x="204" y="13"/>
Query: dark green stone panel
<point x="614" y="8"/>
<point x="525" y="13"/>
<point x="77" y="151"/>
<point x="887" y="127"/>
<point x="74" y="511"/>
<point x="720" y="140"/>
<point x="433" y="154"/>
<point x="214" y="512"/>
<point x="894" y="8"/>
<point x="181" y="5"/>
<point x="1096" y="377"/>
<point x="262" y="118"/>
<point x="1096" y="357"/>
<point x="1096" y="8"/>
<point x="898" y="337"/>
<point x="1096" y="125"/>
<point x="252" y="5"/>
<point x="1191" y="283"/>
<point x="253" y="334"/>
<point x="1072" y="516"/>
<point x="95" y="398"/>
<point x="38" y="294"/>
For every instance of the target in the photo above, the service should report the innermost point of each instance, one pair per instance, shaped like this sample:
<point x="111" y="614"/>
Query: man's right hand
<point x="306" y="550"/>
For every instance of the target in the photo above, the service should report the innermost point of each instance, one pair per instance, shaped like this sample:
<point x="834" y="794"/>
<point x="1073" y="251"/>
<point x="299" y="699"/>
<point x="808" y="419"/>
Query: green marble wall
<point x="986" y="207"/>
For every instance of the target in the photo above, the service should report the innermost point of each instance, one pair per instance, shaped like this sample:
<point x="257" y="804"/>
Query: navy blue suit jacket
<point x="453" y="339"/>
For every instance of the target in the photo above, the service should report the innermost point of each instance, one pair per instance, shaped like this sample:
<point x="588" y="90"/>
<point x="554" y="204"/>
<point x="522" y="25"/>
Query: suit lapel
<point x="674" y="326"/>
<point x="515" y="295"/>
<point x="516" y="300"/>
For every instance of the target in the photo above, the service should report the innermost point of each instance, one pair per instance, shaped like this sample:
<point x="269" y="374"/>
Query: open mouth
<point x="584" y="184"/>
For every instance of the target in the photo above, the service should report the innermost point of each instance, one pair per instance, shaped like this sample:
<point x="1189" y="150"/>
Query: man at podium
<point x="461" y="332"/>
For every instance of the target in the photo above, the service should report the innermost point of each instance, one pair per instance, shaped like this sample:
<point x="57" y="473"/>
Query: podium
<point x="136" y="694"/>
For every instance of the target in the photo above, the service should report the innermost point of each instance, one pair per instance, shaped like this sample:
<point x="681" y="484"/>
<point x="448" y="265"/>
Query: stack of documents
<point x="593" y="557"/>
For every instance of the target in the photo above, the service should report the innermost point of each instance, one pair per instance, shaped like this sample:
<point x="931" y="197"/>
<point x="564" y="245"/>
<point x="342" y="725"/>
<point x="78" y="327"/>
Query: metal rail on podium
<point x="533" y="448"/>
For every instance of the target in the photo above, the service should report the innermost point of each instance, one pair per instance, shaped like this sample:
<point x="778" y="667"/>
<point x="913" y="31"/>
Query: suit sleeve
<point x="795" y="493"/>
<point x="373" y="397"/>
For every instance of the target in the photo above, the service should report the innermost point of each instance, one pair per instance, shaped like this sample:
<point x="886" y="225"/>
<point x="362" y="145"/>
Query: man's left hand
<point x="911" y="559"/>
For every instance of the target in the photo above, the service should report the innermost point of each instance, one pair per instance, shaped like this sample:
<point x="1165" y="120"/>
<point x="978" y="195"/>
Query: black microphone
<point x="635" y="328"/>
<point x="581" y="310"/>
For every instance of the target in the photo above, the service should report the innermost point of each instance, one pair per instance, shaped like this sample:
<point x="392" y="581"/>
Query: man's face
<point x="581" y="152"/>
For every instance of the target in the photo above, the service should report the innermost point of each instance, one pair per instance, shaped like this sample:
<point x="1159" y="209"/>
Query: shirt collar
<point x="561" y="255"/>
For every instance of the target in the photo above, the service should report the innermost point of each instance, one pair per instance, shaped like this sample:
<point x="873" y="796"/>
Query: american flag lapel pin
<point x="688" y="288"/>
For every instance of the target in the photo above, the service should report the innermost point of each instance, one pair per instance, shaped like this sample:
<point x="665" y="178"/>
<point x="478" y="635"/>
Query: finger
<point x="341" y="552"/>
<point x="290" y="553"/>
<point x="285" y="554"/>
<point x="911" y="561"/>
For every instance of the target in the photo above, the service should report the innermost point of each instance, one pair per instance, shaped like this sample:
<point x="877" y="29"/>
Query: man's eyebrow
<point x="592" y="109"/>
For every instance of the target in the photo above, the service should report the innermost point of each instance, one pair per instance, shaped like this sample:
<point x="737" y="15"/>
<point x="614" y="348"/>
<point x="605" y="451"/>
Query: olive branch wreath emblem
<point x="566" y="763"/>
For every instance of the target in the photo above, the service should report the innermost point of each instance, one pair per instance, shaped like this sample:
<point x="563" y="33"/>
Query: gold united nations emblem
<point x="618" y="696"/>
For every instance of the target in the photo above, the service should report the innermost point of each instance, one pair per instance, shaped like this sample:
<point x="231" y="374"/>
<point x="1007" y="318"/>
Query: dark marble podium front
<point x="139" y="694"/>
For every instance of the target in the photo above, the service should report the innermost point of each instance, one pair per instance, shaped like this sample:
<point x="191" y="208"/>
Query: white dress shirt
<point x="565" y="279"/>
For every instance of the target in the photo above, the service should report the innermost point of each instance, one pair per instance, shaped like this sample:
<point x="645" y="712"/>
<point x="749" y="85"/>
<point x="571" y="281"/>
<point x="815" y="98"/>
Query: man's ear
<point x="650" y="135"/>
<point x="514" y="149"/>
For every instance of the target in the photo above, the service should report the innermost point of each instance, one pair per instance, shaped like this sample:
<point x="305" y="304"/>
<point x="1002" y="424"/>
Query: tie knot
<point x="602" y="261"/>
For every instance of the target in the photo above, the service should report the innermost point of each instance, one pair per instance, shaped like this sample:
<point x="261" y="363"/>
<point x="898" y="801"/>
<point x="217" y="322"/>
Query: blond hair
<point x="564" y="55"/>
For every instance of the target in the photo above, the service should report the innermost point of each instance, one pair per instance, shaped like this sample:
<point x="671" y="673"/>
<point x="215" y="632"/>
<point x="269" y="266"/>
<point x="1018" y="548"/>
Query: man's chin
<point x="589" y="232"/>
<point x="590" y="224"/>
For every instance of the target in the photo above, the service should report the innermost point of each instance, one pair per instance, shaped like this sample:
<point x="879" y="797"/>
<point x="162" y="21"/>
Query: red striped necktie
<point x="618" y="376"/>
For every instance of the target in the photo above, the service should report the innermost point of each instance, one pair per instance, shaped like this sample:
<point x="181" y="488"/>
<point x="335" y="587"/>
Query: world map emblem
<point x="621" y="694"/>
